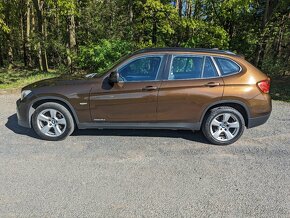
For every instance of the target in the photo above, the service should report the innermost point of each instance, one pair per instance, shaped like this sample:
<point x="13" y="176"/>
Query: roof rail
<point x="168" y="49"/>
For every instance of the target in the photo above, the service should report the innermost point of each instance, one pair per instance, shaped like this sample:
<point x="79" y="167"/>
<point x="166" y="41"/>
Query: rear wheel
<point x="52" y="121"/>
<point x="223" y="125"/>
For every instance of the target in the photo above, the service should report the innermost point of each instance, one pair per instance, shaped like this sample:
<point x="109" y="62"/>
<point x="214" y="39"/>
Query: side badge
<point x="99" y="119"/>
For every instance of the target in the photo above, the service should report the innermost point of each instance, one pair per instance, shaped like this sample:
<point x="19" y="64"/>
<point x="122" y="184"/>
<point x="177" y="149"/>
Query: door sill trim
<point x="140" y="125"/>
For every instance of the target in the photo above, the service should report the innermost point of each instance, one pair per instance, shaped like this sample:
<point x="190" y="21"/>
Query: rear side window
<point x="191" y="67"/>
<point x="227" y="66"/>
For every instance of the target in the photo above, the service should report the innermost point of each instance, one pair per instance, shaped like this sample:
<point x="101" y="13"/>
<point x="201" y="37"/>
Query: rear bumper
<point x="257" y="121"/>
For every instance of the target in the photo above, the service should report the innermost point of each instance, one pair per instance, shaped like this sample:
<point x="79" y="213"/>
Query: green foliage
<point x="280" y="89"/>
<point x="67" y="7"/>
<point x="276" y="67"/>
<point x="3" y="25"/>
<point x="155" y="24"/>
<point x="92" y="34"/>
<point x="202" y="34"/>
<point x="98" y="57"/>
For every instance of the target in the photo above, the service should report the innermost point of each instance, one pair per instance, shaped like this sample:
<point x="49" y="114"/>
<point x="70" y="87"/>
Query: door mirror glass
<point x="114" y="77"/>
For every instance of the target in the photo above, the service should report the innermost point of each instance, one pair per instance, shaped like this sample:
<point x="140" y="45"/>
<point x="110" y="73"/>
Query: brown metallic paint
<point x="124" y="102"/>
<point x="96" y="100"/>
<point x="185" y="100"/>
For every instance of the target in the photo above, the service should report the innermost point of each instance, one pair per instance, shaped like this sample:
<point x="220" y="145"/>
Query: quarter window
<point x="209" y="69"/>
<point x="141" y="69"/>
<point x="227" y="66"/>
<point x="191" y="67"/>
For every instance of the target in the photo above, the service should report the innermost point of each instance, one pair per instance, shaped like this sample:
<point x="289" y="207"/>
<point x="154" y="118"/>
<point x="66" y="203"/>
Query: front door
<point x="135" y="98"/>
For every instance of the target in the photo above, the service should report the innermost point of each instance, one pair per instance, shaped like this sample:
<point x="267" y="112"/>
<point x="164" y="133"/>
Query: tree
<point x="69" y="11"/>
<point x="42" y="33"/>
<point x="39" y="6"/>
<point x="4" y="29"/>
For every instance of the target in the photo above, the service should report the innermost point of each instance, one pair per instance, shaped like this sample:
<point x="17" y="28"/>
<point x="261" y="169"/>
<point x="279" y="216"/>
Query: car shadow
<point x="12" y="124"/>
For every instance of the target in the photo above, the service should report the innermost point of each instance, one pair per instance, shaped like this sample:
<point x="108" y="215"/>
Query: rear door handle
<point x="149" y="88"/>
<point x="212" y="84"/>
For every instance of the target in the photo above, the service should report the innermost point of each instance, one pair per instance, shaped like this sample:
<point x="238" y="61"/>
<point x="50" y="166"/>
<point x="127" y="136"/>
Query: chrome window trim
<point x="193" y="55"/>
<point x="220" y="70"/>
<point x="142" y="56"/>
<point x="216" y="66"/>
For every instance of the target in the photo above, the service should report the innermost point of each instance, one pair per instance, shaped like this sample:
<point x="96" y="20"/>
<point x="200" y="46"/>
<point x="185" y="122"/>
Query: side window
<point x="227" y="66"/>
<point x="209" y="69"/>
<point x="191" y="67"/>
<point x="141" y="69"/>
<point x="186" y="67"/>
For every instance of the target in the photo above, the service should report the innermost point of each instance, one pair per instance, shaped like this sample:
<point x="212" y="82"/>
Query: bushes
<point x="275" y="66"/>
<point x="98" y="57"/>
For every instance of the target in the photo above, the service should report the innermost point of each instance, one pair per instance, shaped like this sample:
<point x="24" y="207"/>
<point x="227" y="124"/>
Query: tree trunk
<point x="39" y="7"/>
<point x="27" y="46"/>
<point x="1" y="54"/>
<point x="10" y="52"/>
<point x="71" y="28"/>
<point x="179" y="7"/>
<point x="154" y="30"/>
<point x="131" y="13"/>
<point x="9" y="36"/>
<point x="23" y="27"/>
<point x="262" y="45"/>
<point x="36" y="46"/>
<point x="188" y="8"/>
<point x="282" y="30"/>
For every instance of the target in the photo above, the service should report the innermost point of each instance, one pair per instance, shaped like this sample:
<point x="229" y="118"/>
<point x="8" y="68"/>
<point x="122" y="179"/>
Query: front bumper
<point x="22" y="108"/>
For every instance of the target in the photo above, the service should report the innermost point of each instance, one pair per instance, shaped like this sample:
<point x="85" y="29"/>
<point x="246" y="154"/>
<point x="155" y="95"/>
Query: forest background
<point x="46" y="38"/>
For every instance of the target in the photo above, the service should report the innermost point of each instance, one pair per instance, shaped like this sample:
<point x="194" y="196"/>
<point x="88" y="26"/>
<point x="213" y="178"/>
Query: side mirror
<point x="114" y="77"/>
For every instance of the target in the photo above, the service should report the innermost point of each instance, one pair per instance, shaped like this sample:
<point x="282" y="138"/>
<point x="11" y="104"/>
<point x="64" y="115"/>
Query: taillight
<point x="264" y="85"/>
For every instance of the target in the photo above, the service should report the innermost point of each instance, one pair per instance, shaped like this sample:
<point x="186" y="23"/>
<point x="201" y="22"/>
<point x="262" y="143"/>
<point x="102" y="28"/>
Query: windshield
<point x="110" y="67"/>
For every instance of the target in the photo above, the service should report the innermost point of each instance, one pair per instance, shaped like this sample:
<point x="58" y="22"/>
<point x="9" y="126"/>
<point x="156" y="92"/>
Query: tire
<point x="223" y="126"/>
<point x="52" y="121"/>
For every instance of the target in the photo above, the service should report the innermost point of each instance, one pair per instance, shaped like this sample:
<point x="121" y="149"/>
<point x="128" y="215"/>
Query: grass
<point x="280" y="88"/>
<point x="17" y="78"/>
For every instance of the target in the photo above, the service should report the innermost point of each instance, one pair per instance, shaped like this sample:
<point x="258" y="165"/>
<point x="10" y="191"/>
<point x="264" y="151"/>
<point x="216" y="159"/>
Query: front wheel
<point x="223" y="126"/>
<point x="52" y="121"/>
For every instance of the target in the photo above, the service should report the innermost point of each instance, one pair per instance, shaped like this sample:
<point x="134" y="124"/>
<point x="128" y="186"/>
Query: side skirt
<point x="139" y="125"/>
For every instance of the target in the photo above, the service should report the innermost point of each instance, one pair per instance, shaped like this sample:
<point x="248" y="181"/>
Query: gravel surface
<point x="142" y="173"/>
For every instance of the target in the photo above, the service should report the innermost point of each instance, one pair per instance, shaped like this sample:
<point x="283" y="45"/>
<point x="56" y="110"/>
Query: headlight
<point x="24" y="93"/>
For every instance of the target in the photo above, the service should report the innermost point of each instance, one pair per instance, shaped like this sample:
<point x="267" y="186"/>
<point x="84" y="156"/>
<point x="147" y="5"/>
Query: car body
<point x="161" y="88"/>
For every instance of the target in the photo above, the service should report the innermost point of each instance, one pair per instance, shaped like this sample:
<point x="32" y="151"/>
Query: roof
<point x="178" y="49"/>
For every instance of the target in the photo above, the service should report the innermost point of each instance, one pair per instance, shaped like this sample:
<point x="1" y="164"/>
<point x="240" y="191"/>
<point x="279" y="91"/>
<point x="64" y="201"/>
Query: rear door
<point x="191" y="83"/>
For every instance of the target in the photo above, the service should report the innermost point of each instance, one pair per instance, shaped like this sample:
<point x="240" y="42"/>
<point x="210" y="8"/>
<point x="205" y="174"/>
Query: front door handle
<point x="212" y="84"/>
<point x="149" y="88"/>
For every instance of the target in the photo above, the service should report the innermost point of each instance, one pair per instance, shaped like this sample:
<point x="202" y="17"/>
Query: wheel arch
<point x="238" y="105"/>
<point x="39" y="101"/>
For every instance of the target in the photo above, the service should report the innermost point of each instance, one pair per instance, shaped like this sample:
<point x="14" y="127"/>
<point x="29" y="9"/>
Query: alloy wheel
<point x="51" y="122"/>
<point x="224" y="127"/>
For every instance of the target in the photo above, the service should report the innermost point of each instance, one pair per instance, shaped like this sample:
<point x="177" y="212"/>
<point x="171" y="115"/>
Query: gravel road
<point x="142" y="173"/>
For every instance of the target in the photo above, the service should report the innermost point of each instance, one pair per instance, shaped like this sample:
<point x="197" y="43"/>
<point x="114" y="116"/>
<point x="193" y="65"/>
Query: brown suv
<point x="168" y="88"/>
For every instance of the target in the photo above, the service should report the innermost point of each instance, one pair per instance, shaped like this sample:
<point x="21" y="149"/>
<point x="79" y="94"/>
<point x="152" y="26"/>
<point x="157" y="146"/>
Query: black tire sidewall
<point x="67" y="115"/>
<point x="212" y="115"/>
